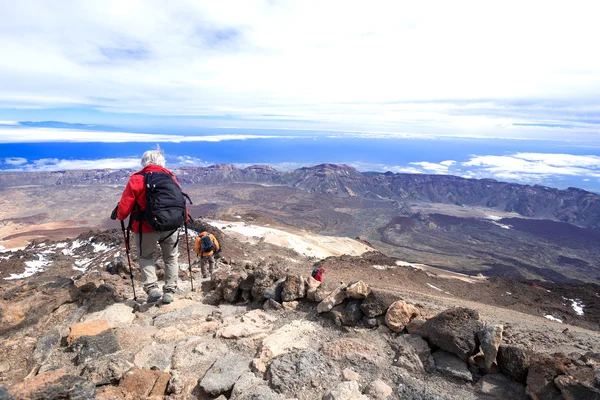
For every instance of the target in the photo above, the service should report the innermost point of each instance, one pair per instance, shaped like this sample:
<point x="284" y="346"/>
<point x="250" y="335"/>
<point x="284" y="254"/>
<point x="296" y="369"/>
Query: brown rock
<point x="311" y="288"/>
<point x="334" y="298"/>
<point x="490" y="338"/>
<point x="322" y="291"/>
<point x="542" y="372"/>
<point x="399" y="315"/>
<point x="290" y="305"/>
<point x="455" y="331"/>
<point x="54" y="385"/>
<point x="143" y="383"/>
<point x="513" y="362"/>
<point x="357" y="290"/>
<point x="90" y="328"/>
<point x="414" y="327"/>
<point x="271" y="304"/>
<point x="293" y="288"/>
<point x="376" y="303"/>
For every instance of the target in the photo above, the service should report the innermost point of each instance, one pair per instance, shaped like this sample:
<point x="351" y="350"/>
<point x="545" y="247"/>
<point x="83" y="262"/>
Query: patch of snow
<point x="577" y="306"/>
<point x="434" y="287"/>
<point x="383" y="267"/>
<point x="117" y="254"/>
<point x="31" y="267"/>
<point x="41" y="245"/>
<point x="493" y="217"/>
<point x="75" y="245"/>
<point x="100" y="247"/>
<point x="502" y="225"/>
<point x="237" y="216"/>
<point x="551" y="318"/>
<point x="60" y="245"/>
<point x="82" y="265"/>
<point x="509" y="293"/>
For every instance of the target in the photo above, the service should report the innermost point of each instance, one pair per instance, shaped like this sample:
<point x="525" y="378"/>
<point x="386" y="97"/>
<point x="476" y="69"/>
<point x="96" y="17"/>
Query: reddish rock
<point x="54" y="385"/>
<point x="542" y="372"/>
<point x="399" y="315"/>
<point x="90" y="328"/>
<point x="144" y="383"/>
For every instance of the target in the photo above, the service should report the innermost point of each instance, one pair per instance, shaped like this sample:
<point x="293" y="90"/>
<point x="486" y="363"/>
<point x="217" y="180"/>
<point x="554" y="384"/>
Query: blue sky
<point x="196" y="71"/>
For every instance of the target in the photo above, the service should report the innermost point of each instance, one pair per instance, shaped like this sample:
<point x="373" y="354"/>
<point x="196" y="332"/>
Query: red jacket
<point x="135" y="192"/>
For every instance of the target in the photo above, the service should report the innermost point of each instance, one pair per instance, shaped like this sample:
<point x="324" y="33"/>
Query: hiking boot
<point x="153" y="296"/>
<point x="168" y="298"/>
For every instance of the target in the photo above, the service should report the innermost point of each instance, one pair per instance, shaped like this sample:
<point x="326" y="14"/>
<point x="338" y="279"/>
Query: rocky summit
<point x="262" y="328"/>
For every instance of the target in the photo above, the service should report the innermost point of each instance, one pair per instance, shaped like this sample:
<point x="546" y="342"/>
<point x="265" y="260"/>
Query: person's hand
<point x="113" y="215"/>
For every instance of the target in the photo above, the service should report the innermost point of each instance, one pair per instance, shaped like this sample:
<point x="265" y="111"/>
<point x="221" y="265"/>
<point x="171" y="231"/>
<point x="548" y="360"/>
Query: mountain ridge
<point x="571" y="205"/>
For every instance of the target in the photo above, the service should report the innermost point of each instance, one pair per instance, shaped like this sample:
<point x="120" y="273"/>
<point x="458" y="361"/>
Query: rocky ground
<point x="260" y="329"/>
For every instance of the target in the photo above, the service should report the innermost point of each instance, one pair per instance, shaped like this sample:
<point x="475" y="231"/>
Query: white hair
<point x="154" y="157"/>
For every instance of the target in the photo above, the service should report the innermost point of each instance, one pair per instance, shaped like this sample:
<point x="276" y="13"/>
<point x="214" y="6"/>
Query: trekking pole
<point x="187" y="244"/>
<point x="128" y="259"/>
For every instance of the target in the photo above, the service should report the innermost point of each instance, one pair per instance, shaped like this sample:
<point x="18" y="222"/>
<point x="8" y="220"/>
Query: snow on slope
<point x="301" y="241"/>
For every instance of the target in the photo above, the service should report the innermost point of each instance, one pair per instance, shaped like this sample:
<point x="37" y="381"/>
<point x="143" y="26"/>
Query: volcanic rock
<point x="455" y="331"/>
<point x="399" y="315"/>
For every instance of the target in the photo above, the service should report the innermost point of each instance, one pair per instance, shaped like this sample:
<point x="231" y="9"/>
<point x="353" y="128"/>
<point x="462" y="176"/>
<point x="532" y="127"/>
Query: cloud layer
<point x="463" y="67"/>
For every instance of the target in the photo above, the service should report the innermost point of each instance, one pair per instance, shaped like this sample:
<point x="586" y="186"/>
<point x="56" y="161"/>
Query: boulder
<point x="452" y="366"/>
<point x="378" y="390"/>
<point x="274" y="291"/>
<point x="231" y="286"/>
<point x="399" y="315"/>
<point x="499" y="386"/>
<point x="302" y="374"/>
<point x="513" y="362"/>
<point x="262" y="281"/>
<point x="192" y="359"/>
<point x="223" y="374"/>
<point x="376" y="303"/>
<point x="350" y="347"/>
<point x="414" y="327"/>
<point x="370" y="322"/>
<point x="45" y="345"/>
<point x="311" y="288"/>
<point x="322" y="291"/>
<point x="272" y="305"/>
<point x="350" y="375"/>
<point x="357" y="290"/>
<point x="579" y="383"/>
<point x="490" y="338"/>
<point x="89" y="328"/>
<point x="245" y="382"/>
<point x="293" y="288"/>
<point x="345" y="391"/>
<point x="332" y="300"/>
<point x="118" y="315"/>
<point x="413" y="354"/>
<point x="155" y="356"/>
<point x="89" y="348"/>
<point x="352" y="314"/>
<point x="144" y="384"/>
<point x="543" y="369"/>
<point x="455" y="331"/>
<point x="295" y="335"/>
<point x="107" y="370"/>
<point x="290" y="305"/>
<point x="57" y="384"/>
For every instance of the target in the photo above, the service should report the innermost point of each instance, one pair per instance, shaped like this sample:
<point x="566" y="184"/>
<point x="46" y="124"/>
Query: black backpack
<point x="165" y="202"/>
<point x="314" y="272"/>
<point x="206" y="244"/>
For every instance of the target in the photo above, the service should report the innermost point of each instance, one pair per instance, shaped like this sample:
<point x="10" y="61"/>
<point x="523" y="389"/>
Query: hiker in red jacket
<point x="318" y="274"/>
<point x="134" y="199"/>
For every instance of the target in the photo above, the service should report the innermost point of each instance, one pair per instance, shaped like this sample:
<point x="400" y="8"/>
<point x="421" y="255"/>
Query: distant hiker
<point x="317" y="273"/>
<point x="206" y="247"/>
<point x="157" y="207"/>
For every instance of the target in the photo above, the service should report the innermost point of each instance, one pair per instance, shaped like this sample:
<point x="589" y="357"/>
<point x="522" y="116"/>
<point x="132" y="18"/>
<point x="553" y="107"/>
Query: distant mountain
<point x="572" y="205"/>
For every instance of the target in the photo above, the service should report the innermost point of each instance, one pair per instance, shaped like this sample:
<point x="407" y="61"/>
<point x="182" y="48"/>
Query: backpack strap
<point x="168" y="236"/>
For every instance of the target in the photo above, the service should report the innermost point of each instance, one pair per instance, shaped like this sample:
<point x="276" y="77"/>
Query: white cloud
<point x="435" y="168"/>
<point x="32" y="135"/>
<point x="9" y="123"/>
<point x="350" y="64"/>
<point x="15" y="160"/>
<point x="448" y="163"/>
<point x="55" y="164"/>
<point x="535" y="166"/>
